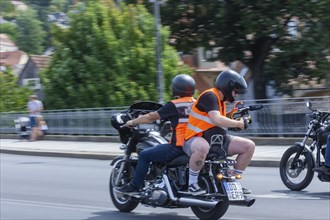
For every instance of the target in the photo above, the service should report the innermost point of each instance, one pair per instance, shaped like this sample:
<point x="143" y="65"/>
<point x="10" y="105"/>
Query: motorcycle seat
<point x="182" y="160"/>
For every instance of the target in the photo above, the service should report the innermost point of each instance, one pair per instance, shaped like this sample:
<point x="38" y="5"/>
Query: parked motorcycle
<point x="298" y="161"/>
<point x="166" y="184"/>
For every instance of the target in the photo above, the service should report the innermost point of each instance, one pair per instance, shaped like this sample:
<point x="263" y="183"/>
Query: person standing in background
<point x="40" y="119"/>
<point x="34" y="107"/>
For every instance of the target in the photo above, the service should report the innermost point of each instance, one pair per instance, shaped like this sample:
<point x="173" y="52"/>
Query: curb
<point x="107" y="156"/>
<point x="103" y="156"/>
<point x="264" y="163"/>
<point x="281" y="141"/>
<point x="68" y="138"/>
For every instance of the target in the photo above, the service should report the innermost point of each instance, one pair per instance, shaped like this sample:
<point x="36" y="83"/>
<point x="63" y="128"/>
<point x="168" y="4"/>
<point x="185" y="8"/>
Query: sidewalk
<point x="264" y="156"/>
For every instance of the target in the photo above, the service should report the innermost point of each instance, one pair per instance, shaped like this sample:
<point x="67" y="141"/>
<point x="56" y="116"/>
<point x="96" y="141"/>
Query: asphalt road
<point x="42" y="188"/>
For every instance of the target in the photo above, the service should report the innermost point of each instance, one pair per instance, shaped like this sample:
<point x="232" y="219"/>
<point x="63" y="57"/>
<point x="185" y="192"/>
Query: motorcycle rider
<point x="323" y="136"/>
<point x="210" y="111"/>
<point x="176" y="111"/>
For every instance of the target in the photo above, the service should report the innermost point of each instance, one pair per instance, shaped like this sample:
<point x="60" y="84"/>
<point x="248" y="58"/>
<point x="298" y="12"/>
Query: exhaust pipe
<point x="188" y="201"/>
<point x="195" y="202"/>
<point x="246" y="202"/>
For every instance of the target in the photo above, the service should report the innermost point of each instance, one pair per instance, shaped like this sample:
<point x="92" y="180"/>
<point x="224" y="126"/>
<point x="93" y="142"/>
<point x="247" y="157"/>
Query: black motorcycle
<point x="166" y="184"/>
<point x="298" y="161"/>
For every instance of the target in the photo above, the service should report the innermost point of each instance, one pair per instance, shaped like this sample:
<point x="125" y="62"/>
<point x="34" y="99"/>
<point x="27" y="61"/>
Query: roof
<point x="41" y="62"/>
<point x="12" y="58"/>
<point x="6" y="44"/>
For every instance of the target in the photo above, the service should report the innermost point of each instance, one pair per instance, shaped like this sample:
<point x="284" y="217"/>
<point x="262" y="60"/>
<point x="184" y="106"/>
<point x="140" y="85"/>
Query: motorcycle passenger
<point x="323" y="136"/>
<point x="176" y="111"/>
<point x="210" y="111"/>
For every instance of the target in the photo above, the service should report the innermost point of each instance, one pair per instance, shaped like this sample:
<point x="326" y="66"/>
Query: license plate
<point x="234" y="191"/>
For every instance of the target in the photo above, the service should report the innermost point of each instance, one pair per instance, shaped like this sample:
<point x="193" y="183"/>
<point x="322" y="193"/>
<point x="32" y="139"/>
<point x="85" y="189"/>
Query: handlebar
<point x="250" y="108"/>
<point x="244" y="113"/>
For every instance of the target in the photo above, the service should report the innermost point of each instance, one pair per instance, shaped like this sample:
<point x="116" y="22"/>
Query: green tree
<point x="30" y="33"/>
<point x="43" y="8"/>
<point x="107" y="58"/>
<point x="6" y="7"/>
<point x="259" y="34"/>
<point x="9" y="29"/>
<point x="59" y="5"/>
<point x="13" y="97"/>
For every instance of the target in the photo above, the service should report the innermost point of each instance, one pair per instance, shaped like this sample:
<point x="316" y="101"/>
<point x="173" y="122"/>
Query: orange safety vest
<point x="199" y="121"/>
<point x="183" y="106"/>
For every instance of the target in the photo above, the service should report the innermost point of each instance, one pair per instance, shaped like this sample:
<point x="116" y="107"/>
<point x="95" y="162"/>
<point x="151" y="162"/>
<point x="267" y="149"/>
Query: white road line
<point x="285" y="196"/>
<point x="55" y="205"/>
<point x="71" y="206"/>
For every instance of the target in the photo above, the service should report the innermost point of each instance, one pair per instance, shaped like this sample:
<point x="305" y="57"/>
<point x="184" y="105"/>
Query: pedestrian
<point x="176" y="111"/>
<point x="208" y="112"/>
<point x="35" y="107"/>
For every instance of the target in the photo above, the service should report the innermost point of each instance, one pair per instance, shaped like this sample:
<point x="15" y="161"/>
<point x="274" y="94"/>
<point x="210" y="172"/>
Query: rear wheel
<point x="296" y="175"/>
<point x="123" y="203"/>
<point x="210" y="213"/>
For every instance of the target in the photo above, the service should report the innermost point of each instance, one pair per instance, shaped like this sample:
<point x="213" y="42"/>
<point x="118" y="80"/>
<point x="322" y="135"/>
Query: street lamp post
<point x="158" y="52"/>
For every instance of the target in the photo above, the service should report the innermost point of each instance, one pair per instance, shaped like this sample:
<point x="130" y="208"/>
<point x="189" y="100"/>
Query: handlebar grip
<point x="246" y="122"/>
<point x="234" y="129"/>
<point x="255" y="107"/>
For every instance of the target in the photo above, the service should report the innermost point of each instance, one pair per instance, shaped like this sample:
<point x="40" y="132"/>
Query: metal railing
<point x="279" y="117"/>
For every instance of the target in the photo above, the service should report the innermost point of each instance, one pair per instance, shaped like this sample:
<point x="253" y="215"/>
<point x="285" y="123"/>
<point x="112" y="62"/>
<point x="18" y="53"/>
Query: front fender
<point x="299" y="144"/>
<point x="117" y="160"/>
<point x="310" y="154"/>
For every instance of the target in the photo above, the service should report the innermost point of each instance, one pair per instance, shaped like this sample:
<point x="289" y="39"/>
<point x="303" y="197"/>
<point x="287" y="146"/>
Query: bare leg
<point x="34" y="134"/>
<point x="199" y="148"/>
<point x="244" y="148"/>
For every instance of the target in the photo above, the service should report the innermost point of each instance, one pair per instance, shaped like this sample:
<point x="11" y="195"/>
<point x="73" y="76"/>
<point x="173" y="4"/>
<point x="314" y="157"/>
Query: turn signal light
<point x="219" y="176"/>
<point x="239" y="176"/>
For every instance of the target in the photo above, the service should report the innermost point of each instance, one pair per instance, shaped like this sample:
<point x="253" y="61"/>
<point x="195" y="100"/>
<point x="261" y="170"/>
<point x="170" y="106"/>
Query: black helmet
<point x="183" y="85"/>
<point x="228" y="81"/>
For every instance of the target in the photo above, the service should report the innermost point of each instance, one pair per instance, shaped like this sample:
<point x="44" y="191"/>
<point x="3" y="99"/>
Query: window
<point x="32" y="83"/>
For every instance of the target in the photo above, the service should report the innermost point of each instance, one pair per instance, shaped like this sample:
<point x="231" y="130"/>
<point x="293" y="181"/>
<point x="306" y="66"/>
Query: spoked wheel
<point x="123" y="203"/>
<point x="296" y="175"/>
<point x="210" y="213"/>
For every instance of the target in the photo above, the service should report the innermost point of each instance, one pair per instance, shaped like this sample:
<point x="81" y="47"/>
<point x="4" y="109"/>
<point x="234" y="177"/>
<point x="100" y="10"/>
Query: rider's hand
<point x="242" y="124"/>
<point x="236" y="104"/>
<point x="234" y="109"/>
<point x="130" y="124"/>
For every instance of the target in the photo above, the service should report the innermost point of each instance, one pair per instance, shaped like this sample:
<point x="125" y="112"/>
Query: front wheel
<point x="210" y="213"/>
<point x="123" y="203"/>
<point x="297" y="175"/>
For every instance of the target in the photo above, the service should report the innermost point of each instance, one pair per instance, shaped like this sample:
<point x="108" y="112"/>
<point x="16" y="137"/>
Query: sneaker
<point x="127" y="189"/>
<point x="246" y="191"/>
<point x="195" y="190"/>
<point x="322" y="169"/>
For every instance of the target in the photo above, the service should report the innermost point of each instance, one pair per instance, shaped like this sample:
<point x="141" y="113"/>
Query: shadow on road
<point x="139" y="216"/>
<point x="304" y="195"/>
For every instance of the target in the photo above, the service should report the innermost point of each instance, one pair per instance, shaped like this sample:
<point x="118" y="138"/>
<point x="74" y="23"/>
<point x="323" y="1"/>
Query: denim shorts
<point x="33" y="121"/>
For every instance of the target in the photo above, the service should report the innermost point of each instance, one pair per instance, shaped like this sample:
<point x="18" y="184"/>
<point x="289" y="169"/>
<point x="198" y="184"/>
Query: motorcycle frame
<point x="312" y="127"/>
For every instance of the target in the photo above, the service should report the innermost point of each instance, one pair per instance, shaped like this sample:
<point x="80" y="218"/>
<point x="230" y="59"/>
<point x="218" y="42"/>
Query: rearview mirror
<point x="309" y="104"/>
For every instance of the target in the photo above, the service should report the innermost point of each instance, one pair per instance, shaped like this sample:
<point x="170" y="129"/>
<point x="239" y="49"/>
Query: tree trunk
<point x="260" y="51"/>
<point x="259" y="85"/>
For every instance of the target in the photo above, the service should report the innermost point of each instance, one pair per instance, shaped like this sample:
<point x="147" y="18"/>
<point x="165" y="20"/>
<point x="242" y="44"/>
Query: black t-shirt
<point x="169" y="113"/>
<point x="208" y="102"/>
